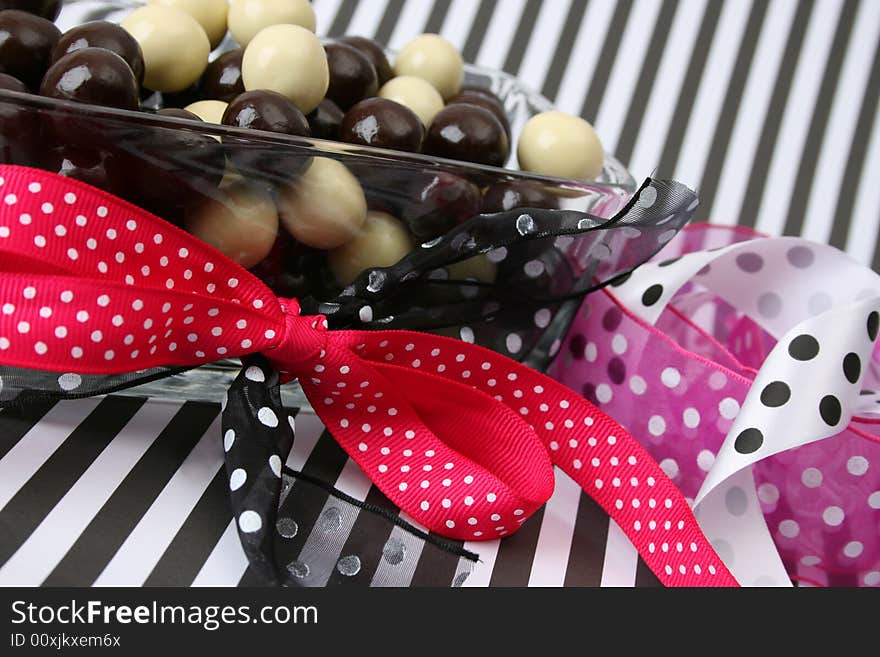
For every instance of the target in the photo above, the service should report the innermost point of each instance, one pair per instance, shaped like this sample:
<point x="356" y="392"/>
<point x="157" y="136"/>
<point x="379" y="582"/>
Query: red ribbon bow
<point x="461" y="438"/>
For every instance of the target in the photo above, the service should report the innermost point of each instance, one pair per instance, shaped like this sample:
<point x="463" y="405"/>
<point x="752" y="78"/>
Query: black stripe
<point x="33" y="501"/>
<point x="757" y="179"/>
<point x="341" y="21"/>
<point x="438" y="14"/>
<point x="305" y="501"/>
<point x="856" y="160"/>
<point x="797" y="207"/>
<point x="590" y="108"/>
<point x="645" y="83"/>
<point x="685" y="104"/>
<point x="192" y="545"/>
<point x="16" y="421"/>
<point x="389" y="21"/>
<point x="478" y="30"/>
<point x="564" y="45"/>
<point x="730" y="107"/>
<point x="521" y="38"/>
<point x="645" y="577"/>
<point x="437" y="566"/>
<point x="587" y="555"/>
<point x="119" y="515"/>
<point x="513" y="563"/>
<point x="366" y="540"/>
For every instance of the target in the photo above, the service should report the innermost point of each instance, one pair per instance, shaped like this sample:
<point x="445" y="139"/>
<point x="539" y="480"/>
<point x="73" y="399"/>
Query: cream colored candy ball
<point x="562" y="145"/>
<point x="210" y="14"/>
<point x="247" y="17"/>
<point x="325" y="207"/>
<point x="434" y="59"/>
<point x="381" y="242"/>
<point x="479" y="268"/>
<point x="175" y="46"/>
<point x="289" y="60"/>
<point x="209" y="111"/>
<point x="415" y="93"/>
<point x="242" y="226"/>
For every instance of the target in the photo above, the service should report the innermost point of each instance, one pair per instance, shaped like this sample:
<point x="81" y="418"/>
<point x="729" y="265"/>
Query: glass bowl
<point x="143" y="156"/>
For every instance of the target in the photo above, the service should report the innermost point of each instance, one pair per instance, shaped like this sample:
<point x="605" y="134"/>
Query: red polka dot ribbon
<point x="461" y="438"/>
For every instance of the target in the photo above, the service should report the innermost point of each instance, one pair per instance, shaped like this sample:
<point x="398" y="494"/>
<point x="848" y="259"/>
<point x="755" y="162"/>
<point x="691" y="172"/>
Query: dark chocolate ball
<point x="469" y="133"/>
<point x="382" y="123"/>
<point x="92" y="75"/>
<point x="101" y="34"/>
<point x="266" y="110"/>
<point x="10" y="83"/>
<point x="89" y="165"/>
<point x="352" y="75"/>
<point x="48" y="9"/>
<point x="20" y="139"/>
<point x="373" y="51"/>
<point x="438" y="203"/>
<point x="485" y="99"/>
<point x="325" y="120"/>
<point x="222" y="79"/>
<point x="520" y="194"/>
<point x="182" y="98"/>
<point x="178" y="113"/>
<point x="165" y="169"/>
<point x="26" y="44"/>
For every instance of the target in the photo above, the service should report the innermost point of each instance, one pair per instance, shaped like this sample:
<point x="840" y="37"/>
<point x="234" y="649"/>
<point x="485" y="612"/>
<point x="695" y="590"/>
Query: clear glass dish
<point x="136" y="152"/>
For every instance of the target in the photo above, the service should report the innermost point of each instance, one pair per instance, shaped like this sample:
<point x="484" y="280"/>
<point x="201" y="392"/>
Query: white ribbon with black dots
<point x="824" y="310"/>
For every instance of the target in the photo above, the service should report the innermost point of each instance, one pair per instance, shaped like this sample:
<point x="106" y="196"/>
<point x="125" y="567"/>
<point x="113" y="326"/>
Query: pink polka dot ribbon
<point x="461" y="438"/>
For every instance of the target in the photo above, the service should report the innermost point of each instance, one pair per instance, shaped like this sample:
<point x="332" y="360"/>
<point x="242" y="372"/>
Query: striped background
<point x="767" y="108"/>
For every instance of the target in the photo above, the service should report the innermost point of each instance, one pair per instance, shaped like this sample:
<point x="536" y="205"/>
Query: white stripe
<point x="366" y="17"/>
<point x="621" y="559"/>
<point x="352" y="481"/>
<point x="842" y="124"/>
<point x="712" y="88"/>
<point x="147" y="542"/>
<point x="410" y="23"/>
<point x="862" y="240"/>
<point x="308" y="430"/>
<point x="61" y="527"/>
<point x="554" y="538"/>
<point x="226" y="564"/>
<point x="487" y="551"/>
<point x="542" y="44"/>
<point x="22" y="461"/>
<point x="796" y="118"/>
<point x="625" y="72"/>
<point x="585" y="55"/>
<point x="458" y="21"/>
<point x="752" y="112"/>
<point x="325" y="12"/>
<point x="499" y="34"/>
<point x="667" y="88"/>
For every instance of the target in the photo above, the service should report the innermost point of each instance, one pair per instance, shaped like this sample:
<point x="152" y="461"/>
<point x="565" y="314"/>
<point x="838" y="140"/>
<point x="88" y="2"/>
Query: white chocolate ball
<point x="415" y="93"/>
<point x="325" y="207"/>
<point x="562" y="145"/>
<point x="290" y="60"/>
<point x="175" y="46"/>
<point x="247" y="17"/>
<point x="478" y="268"/>
<point x="209" y="111"/>
<point x="381" y="242"/>
<point x="210" y="14"/>
<point x="242" y="226"/>
<point x="434" y="59"/>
